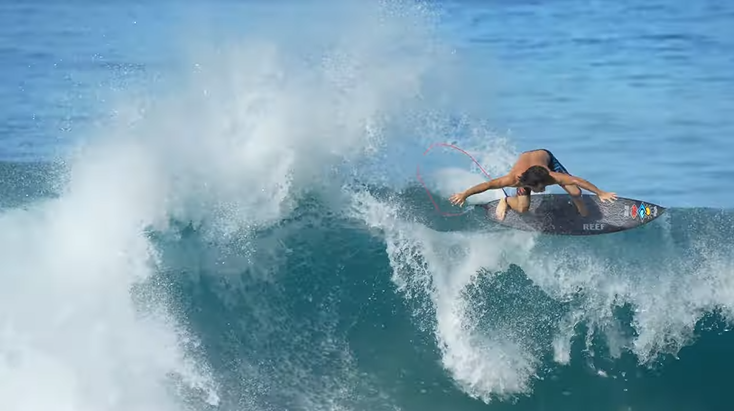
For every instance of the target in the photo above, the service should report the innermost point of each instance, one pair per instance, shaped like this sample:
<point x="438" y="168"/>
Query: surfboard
<point x="556" y="214"/>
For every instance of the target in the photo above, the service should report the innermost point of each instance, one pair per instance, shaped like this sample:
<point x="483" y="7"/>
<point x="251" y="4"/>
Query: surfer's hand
<point x="605" y="196"/>
<point x="458" y="199"/>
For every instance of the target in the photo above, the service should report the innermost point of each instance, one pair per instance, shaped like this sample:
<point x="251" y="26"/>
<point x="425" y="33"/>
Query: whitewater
<point x="249" y="234"/>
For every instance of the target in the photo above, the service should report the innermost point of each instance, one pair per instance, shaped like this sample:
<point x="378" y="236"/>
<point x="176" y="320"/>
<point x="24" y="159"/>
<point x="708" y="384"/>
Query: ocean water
<point x="214" y="205"/>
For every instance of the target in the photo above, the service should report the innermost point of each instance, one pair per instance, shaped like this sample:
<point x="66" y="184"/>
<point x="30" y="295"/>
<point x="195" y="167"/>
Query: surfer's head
<point x="536" y="178"/>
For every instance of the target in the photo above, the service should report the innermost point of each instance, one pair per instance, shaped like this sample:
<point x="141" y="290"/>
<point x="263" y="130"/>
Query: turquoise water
<point x="214" y="206"/>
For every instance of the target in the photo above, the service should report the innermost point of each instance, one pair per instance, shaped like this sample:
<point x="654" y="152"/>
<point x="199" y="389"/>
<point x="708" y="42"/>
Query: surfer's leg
<point x="575" y="193"/>
<point x="501" y="209"/>
<point x="520" y="203"/>
<point x="572" y="189"/>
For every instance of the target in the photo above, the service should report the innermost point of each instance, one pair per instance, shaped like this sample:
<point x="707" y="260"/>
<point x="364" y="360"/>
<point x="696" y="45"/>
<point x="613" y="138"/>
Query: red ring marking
<point x="435" y="205"/>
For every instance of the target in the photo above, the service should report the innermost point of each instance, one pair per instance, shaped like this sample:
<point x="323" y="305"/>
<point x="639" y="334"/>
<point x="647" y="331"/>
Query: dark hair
<point x="536" y="175"/>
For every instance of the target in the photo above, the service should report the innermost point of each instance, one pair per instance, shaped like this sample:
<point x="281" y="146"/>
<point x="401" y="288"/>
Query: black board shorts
<point x="553" y="164"/>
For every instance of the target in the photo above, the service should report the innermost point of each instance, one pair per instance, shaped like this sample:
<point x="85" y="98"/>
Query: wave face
<point x="252" y="238"/>
<point x="379" y="304"/>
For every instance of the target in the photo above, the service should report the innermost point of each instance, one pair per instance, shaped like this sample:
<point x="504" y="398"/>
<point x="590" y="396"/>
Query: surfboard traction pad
<point x="557" y="214"/>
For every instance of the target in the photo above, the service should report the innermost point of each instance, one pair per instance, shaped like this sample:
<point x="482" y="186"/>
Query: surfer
<point x="533" y="171"/>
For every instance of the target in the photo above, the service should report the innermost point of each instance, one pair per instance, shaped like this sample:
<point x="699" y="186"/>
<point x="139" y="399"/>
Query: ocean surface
<point x="213" y="205"/>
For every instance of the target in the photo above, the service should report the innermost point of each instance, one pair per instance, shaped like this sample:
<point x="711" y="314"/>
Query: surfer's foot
<point x="501" y="209"/>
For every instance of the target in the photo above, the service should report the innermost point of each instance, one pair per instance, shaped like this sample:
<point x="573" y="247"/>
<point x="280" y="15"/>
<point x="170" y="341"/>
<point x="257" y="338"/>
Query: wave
<point x="364" y="305"/>
<point x="641" y="291"/>
<point x="230" y="144"/>
<point x="367" y="306"/>
<point x="242" y="242"/>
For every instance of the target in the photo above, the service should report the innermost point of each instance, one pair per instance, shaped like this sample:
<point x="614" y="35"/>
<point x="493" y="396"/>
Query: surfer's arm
<point x="565" y="180"/>
<point x="500" y="182"/>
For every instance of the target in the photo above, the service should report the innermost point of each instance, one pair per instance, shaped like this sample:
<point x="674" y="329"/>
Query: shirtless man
<point x="533" y="171"/>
